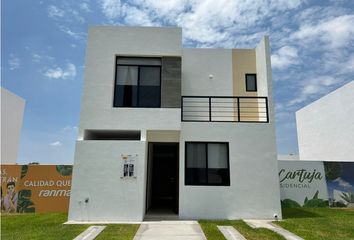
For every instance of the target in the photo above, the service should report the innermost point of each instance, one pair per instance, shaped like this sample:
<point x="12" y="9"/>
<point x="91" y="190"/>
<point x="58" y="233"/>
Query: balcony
<point x="224" y="109"/>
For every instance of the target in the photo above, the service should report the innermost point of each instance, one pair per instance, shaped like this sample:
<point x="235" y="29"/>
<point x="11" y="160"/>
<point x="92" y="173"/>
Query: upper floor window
<point x="138" y="82"/>
<point x="251" y="82"/>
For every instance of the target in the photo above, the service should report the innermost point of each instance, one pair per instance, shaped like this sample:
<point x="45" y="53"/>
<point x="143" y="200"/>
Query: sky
<point x="43" y="49"/>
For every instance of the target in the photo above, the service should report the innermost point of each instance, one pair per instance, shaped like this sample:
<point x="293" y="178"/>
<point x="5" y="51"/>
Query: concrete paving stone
<point x="275" y="228"/>
<point x="230" y="233"/>
<point x="172" y="230"/>
<point x="90" y="233"/>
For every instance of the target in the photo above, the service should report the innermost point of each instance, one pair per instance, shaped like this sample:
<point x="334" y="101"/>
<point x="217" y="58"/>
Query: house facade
<point x="166" y="129"/>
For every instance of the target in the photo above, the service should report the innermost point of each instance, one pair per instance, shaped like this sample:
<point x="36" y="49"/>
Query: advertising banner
<point x="10" y="177"/>
<point x="35" y="188"/>
<point x="340" y="183"/>
<point x="302" y="184"/>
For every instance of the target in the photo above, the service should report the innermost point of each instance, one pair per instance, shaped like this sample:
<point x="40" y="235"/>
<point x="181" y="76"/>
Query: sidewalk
<point x="172" y="230"/>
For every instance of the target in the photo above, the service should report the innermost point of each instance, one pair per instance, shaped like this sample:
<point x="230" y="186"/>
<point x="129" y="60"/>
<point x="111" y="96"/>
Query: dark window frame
<point x="138" y="80"/>
<point x="228" y="183"/>
<point x="255" y="77"/>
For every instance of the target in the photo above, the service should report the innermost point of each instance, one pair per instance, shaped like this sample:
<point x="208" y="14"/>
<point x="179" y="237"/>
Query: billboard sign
<point x="302" y="184"/>
<point x="35" y="188"/>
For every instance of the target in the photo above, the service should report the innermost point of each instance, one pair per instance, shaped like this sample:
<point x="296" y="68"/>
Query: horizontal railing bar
<point x="224" y="109"/>
<point x="208" y="111"/>
<point x="222" y="102"/>
<point x="200" y="120"/>
<point x="223" y="97"/>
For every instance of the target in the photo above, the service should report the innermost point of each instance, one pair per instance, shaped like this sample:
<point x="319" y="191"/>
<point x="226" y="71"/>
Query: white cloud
<point x="56" y="144"/>
<point x="285" y="4"/>
<point x="315" y="87"/>
<point x="167" y="10"/>
<point x="111" y="8"/>
<point x="70" y="129"/>
<point x="206" y="22"/>
<point x="39" y="58"/>
<point x="67" y="13"/>
<point x="77" y="15"/>
<point x="55" y="12"/>
<point x="85" y="7"/>
<point x="14" y="62"/>
<point x="136" y="16"/>
<point x="285" y="57"/>
<point x="221" y="21"/>
<point x="72" y="34"/>
<point x="334" y="33"/>
<point x="348" y="65"/>
<point x="59" y="73"/>
<point x="343" y="183"/>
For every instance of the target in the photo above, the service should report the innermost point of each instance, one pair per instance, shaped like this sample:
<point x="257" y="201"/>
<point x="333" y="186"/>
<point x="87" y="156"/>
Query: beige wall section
<point x="162" y="136"/>
<point x="243" y="62"/>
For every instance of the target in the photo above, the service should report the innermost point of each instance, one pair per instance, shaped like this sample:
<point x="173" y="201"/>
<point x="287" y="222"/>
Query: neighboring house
<point x="172" y="130"/>
<point x="12" y="108"/>
<point x="325" y="128"/>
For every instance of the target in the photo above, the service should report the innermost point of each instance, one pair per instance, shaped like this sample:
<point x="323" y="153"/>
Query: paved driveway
<point x="171" y="230"/>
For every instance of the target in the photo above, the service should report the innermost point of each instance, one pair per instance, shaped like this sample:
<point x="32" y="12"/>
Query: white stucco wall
<point x="198" y="64"/>
<point x="97" y="176"/>
<point x="12" y="108"/>
<point x="325" y="128"/>
<point x="104" y="44"/>
<point x="254" y="189"/>
<point x="289" y="157"/>
<point x="264" y="74"/>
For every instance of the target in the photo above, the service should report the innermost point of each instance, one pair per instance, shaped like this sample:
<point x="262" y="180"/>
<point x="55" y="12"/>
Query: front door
<point x="163" y="176"/>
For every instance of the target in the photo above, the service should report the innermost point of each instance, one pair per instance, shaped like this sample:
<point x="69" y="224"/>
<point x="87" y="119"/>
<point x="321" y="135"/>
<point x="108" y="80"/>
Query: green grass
<point x="212" y="232"/>
<point x="319" y="223"/>
<point x="308" y="223"/>
<point x="50" y="226"/>
<point x="118" y="232"/>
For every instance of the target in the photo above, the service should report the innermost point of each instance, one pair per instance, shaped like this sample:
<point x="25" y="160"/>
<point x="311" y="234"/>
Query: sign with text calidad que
<point x="35" y="188"/>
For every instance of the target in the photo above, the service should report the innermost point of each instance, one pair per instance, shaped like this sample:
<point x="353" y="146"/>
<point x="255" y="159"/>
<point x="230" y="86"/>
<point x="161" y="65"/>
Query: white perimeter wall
<point x="12" y="108"/>
<point x="97" y="176"/>
<point x="325" y="128"/>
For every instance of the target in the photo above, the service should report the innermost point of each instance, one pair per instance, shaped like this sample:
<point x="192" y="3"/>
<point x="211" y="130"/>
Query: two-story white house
<point x="172" y="130"/>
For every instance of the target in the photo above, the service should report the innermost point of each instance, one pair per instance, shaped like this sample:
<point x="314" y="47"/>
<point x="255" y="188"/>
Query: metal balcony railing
<point x="224" y="109"/>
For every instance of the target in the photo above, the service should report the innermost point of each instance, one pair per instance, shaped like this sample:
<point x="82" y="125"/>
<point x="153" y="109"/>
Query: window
<point x="251" y="82"/>
<point x="207" y="163"/>
<point x="138" y="82"/>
